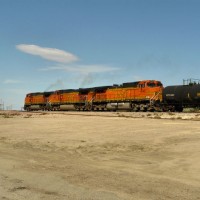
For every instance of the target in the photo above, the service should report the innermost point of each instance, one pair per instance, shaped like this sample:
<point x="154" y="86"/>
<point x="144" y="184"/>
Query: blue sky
<point x="61" y="44"/>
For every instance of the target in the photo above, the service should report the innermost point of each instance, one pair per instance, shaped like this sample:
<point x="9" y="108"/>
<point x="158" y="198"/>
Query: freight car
<point x="134" y="96"/>
<point x="178" y="97"/>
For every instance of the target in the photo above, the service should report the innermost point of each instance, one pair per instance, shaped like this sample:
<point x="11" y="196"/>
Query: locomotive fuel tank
<point x="119" y="106"/>
<point x="185" y="95"/>
<point x="67" y="107"/>
<point x="35" y="107"/>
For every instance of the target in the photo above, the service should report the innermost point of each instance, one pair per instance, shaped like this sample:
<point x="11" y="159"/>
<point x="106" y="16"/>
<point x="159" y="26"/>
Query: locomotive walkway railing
<point x="154" y="98"/>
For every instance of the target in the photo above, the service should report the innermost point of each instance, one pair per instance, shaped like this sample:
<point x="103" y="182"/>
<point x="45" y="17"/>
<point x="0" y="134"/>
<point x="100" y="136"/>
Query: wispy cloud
<point x="11" y="81"/>
<point x="85" y="74"/>
<point x="48" y="53"/>
<point x="65" y="63"/>
<point x="83" y="69"/>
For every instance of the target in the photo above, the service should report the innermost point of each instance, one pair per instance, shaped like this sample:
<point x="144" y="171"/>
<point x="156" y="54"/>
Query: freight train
<point x="146" y="95"/>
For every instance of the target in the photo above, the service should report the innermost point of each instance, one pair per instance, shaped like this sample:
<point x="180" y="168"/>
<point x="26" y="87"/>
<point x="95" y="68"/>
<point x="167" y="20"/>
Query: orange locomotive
<point x="36" y="101"/>
<point x="141" y="95"/>
<point x="63" y="100"/>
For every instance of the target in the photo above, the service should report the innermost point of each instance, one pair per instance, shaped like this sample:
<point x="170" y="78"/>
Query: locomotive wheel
<point x="179" y="109"/>
<point x="89" y="107"/>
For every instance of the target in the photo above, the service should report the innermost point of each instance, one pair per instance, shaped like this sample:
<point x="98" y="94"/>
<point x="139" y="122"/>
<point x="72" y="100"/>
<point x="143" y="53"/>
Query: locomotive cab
<point x="150" y="84"/>
<point x="152" y="89"/>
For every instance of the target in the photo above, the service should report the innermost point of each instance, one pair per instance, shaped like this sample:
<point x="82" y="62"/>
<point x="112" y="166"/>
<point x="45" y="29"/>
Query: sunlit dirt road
<point x="99" y="156"/>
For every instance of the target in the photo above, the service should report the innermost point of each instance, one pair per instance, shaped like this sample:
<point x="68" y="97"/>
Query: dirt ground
<point x="99" y="156"/>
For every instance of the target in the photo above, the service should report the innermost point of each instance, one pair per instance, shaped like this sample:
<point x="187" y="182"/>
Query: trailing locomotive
<point x="36" y="101"/>
<point x="147" y="95"/>
<point x="142" y="95"/>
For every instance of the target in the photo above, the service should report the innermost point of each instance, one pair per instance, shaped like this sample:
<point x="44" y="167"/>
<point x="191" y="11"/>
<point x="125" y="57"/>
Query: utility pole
<point x="1" y="104"/>
<point x="9" y="107"/>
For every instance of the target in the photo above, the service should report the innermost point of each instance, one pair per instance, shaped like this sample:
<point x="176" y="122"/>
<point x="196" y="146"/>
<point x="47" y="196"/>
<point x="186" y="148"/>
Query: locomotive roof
<point x="101" y="88"/>
<point x="130" y="84"/>
<point x="67" y="90"/>
<point x="40" y="93"/>
<point x="35" y="93"/>
<point x="50" y="92"/>
<point x="94" y="89"/>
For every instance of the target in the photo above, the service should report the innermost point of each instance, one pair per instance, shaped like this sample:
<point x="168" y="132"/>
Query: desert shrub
<point x="7" y="115"/>
<point x="28" y="116"/>
<point x="157" y="117"/>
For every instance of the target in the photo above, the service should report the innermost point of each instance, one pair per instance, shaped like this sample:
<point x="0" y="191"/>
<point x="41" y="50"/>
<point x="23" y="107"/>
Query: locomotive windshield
<point x="151" y="84"/>
<point x="154" y="84"/>
<point x="159" y="84"/>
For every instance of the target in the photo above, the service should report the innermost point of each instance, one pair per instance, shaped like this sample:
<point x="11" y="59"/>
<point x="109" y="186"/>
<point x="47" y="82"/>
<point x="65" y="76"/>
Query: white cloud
<point x="87" y="73"/>
<point x="11" y="81"/>
<point x="63" y="57"/>
<point x="48" y="53"/>
<point x="83" y="69"/>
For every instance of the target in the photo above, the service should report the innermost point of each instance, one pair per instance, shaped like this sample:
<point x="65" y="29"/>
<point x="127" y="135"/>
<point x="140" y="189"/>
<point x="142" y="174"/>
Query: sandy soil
<point x="109" y="156"/>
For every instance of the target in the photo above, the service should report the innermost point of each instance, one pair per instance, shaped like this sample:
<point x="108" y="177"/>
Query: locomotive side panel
<point x="100" y="97"/>
<point x="54" y="99"/>
<point x="69" y="98"/>
<point x="115" y="94"/>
